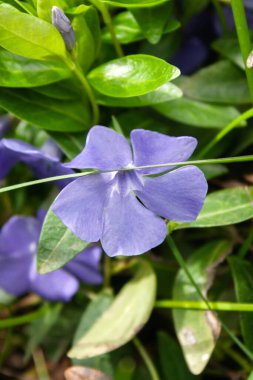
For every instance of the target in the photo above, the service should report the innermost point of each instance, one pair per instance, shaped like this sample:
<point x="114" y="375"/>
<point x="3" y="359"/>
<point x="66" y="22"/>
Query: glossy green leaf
<point x="228" y="47"/>
<point x="172" y="360"/>
<point x="17" y="71"/>
<point x="29" y="36"/>
<point x="165" y="93"/>
<point x="197" y="114"/>
<point x="127" y="29"/>
<point x="242" y="272"/>
<point x="57" y="248"/>
<point x="134" y="3"/>
<point x="47" y="113"/>
<point x="220" y="82"/>
<point x="132" y="75"/>
<point x="29" y="8"/>
<point x="196" y="330"/>
<point x="152" y="21"/>
<point x="123" y="319"/>
<point x="225" y="207"/>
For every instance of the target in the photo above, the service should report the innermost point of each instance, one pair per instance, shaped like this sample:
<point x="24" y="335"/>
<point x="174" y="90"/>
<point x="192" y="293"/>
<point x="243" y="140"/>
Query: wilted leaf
<point x="198" y="331"/>
<point x="84" y="373"/>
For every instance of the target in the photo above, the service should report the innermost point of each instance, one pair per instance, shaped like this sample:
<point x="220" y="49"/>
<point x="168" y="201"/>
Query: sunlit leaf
<point x="29" y="36"/>
<point x="123" y="319"/>
<point x="134" y="3"/>
<point x="132" y="75"/>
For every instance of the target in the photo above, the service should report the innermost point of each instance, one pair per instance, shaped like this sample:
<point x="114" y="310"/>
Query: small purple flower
<point x="121" y="208"/>
<point x="18" y="245"/>
<point x="44" y="162"/>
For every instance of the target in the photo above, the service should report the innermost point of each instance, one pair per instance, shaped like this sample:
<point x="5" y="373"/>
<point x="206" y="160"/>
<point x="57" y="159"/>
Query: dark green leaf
<point x="225" y="207"/>
<point x="229" y="48"/>
<point x="196" y="330"/>
<point x="242" y="272"/>
<point x="152" y="21"/>
<point x="17" y="71"/>
<point x="166" y="92"/>
<point x="57" y="248"/>
<point x="133" y="75"/>
<point x="48" y="113"/>
<point x="123" y="319"/>
<point x="197" y="114"/>
<point x="70" y="143"/>
<point x="29" y="36"/>
<point x="221" y="82"/>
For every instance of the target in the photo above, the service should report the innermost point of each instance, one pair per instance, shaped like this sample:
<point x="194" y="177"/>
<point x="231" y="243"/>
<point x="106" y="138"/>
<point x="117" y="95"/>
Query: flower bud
<point x="62" y="23"/>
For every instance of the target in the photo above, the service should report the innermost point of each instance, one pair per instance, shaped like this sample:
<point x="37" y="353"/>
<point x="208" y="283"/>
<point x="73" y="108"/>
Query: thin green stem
<point x="40" y="365"/>
<point x="147" y="360"/>
<point x="183" y="265"/>
<point x="243" y="38"/>
<point x="213" y="161"/>
<point x="221" y="15"/>
<point x="246" y="245"/>
<point x="246" y="115"/>
<point x="77" y="72"/>
<point x="201" y="305"/>
<point x="27" y="318"/>
<point x="102" y="7"/>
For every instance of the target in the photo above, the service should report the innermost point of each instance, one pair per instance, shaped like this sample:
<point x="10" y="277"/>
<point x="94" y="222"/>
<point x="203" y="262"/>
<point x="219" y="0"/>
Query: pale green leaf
<point x="123" y="319"/>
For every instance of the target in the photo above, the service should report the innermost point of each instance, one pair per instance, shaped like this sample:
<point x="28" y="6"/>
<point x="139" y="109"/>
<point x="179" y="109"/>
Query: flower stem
<point x="27" y="318"/>
<point x="246" y="115"/>
<point x="201" y="305"/>
<point x="213" y="161"/>
<point x="108" y="22"/>
<point x="243" y="38"/>
<point x="77" y="72"/>
<point x="147" y="360"/>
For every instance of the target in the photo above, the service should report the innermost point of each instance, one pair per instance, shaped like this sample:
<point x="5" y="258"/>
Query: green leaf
<point x="152" y="21"/>
<point x="17" y="71"/>
<point x="44" y="8"/>
<point x="196" y="330"/>
<point x="29" y="8"/>
<point x="127" y="29"/>
<point x="165" y="93"/>
<point x="123" y="319"/>
<point x="48" y="113"/>
<point x="242" y="272"/>
<point x="134" y="3"/>
<point x="229" y="48"/>
<point x="221" y="82"/>
<point x="29" y="36"/>
<point x="133" y="75"/>
<point x="197" y="114"/>
<point x="70" y="143"/>
<point x="171" y="358"/>
<point x="57" y="248"/>
<point x="224" y="207"/>
<point x="62" y="90"/>
<point x="250" y="376"/>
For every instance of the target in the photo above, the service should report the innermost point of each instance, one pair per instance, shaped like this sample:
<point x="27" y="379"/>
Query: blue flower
<point x="18" y="245"/>
<point x="126" y="209"/>
<point x="44" y="162"/>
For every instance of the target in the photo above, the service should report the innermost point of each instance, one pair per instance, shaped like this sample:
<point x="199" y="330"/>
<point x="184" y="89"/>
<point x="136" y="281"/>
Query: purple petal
<point x="129" y="228"/>
<point x="80" y="206"/>
<point x="105" y="149"/>
<point x="55" y="286"/>
<point x="19" y="236"/>
<point x="14" y="273"/>
<point x="156" y="148"/>
<point x="7" y="160"/>
<point x="85" y="266"/>
<point x="178" y="195"/>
